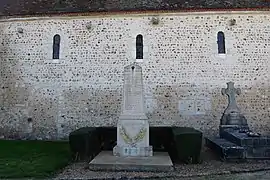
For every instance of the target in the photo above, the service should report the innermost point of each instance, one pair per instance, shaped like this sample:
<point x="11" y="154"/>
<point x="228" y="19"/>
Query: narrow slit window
<point x="221" y="43"/>
<point x="56" y="46"/>
<point x="139" y="47"/>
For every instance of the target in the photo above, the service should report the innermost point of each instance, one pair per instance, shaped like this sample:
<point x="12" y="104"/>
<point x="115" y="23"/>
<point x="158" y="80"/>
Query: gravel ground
<point x="210" y="168"/>
<point x="262" y="175"/>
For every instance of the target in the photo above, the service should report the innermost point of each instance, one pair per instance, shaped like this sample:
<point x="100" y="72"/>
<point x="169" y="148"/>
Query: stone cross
<point x="231" y="93"/>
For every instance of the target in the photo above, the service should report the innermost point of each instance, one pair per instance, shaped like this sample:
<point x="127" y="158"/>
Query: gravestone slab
<point x="236" y="139"/>
<point x="225" y="149"/>
<point x="243" y="139"/>
<point x="258" y="152"/>
<point x="232" y="116"/>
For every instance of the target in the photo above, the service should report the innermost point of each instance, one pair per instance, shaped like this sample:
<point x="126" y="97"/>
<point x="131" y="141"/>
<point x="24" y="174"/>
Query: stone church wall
<point x="183" y="72"/>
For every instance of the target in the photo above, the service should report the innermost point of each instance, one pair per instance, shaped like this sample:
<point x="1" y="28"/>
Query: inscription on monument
<point x="131" y="151"/>
<point x="133" y="87"/>
<point x="133" y="99"/>
<point x="133" y="93"/>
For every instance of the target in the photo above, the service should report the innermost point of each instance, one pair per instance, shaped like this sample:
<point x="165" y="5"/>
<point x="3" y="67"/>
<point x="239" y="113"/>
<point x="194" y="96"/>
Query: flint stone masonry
<point x="181" y="70"/>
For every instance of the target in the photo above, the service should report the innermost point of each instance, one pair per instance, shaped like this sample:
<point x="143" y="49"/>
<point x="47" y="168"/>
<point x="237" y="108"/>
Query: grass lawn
<point x="37" y="159"/>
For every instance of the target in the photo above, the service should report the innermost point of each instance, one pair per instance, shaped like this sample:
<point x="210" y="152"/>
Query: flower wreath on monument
<point x="132" y="140"/>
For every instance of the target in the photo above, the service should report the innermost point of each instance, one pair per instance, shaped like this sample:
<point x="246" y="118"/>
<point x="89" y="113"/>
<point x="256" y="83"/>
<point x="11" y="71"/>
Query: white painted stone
<point x="129" y="142"/>
<point x="133" y="102"/>
<point x="133" y="127"/>
<point x="139" y="60"/>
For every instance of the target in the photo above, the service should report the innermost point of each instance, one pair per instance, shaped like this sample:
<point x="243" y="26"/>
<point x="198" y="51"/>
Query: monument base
<point x="106" y="161"/>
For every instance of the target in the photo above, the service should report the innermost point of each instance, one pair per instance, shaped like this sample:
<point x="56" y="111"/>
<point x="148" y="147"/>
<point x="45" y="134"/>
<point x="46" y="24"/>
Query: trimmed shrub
<point x="160" y="138"/>
<point x="181" y="143"/>
<point x="84" y="143"/>
<point x="188" y="143"/>
<point x="108" y="137"/>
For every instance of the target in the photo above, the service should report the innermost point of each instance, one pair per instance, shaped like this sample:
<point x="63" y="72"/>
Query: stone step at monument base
<point x="225" y="149"/>
<point x="105" y="161"/>
<point x="242" y="139"/>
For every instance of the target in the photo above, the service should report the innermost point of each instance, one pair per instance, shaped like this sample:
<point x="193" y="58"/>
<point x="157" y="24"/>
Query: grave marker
<point x="133" y="127"/>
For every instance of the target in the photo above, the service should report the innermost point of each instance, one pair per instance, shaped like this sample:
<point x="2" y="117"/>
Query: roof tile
<point x="34" y="7"/>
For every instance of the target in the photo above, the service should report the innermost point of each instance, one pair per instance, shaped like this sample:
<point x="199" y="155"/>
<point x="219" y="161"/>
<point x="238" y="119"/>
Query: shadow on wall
<point x="21" y="103"/>
<point x="44" y="112"/>
<point x="167" y="98"/>
<point x="253" y="103"/>
<point x="185" y="106"/>
<point x="89" y="107"/>
<point x="14" y="97"/>
<point x="51" y="109"/>
<point x="56" y="112"/>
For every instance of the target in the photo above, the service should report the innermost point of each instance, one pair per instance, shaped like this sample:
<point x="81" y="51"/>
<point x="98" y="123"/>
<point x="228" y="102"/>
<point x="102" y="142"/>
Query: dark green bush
<point x="108" y="137"/>
<point x="188" y="143"/>
<point x="180" y="142"/>
<point x="84" y="143"/>
<point x="160" y="138"/>
<point x="87" y="142"/>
